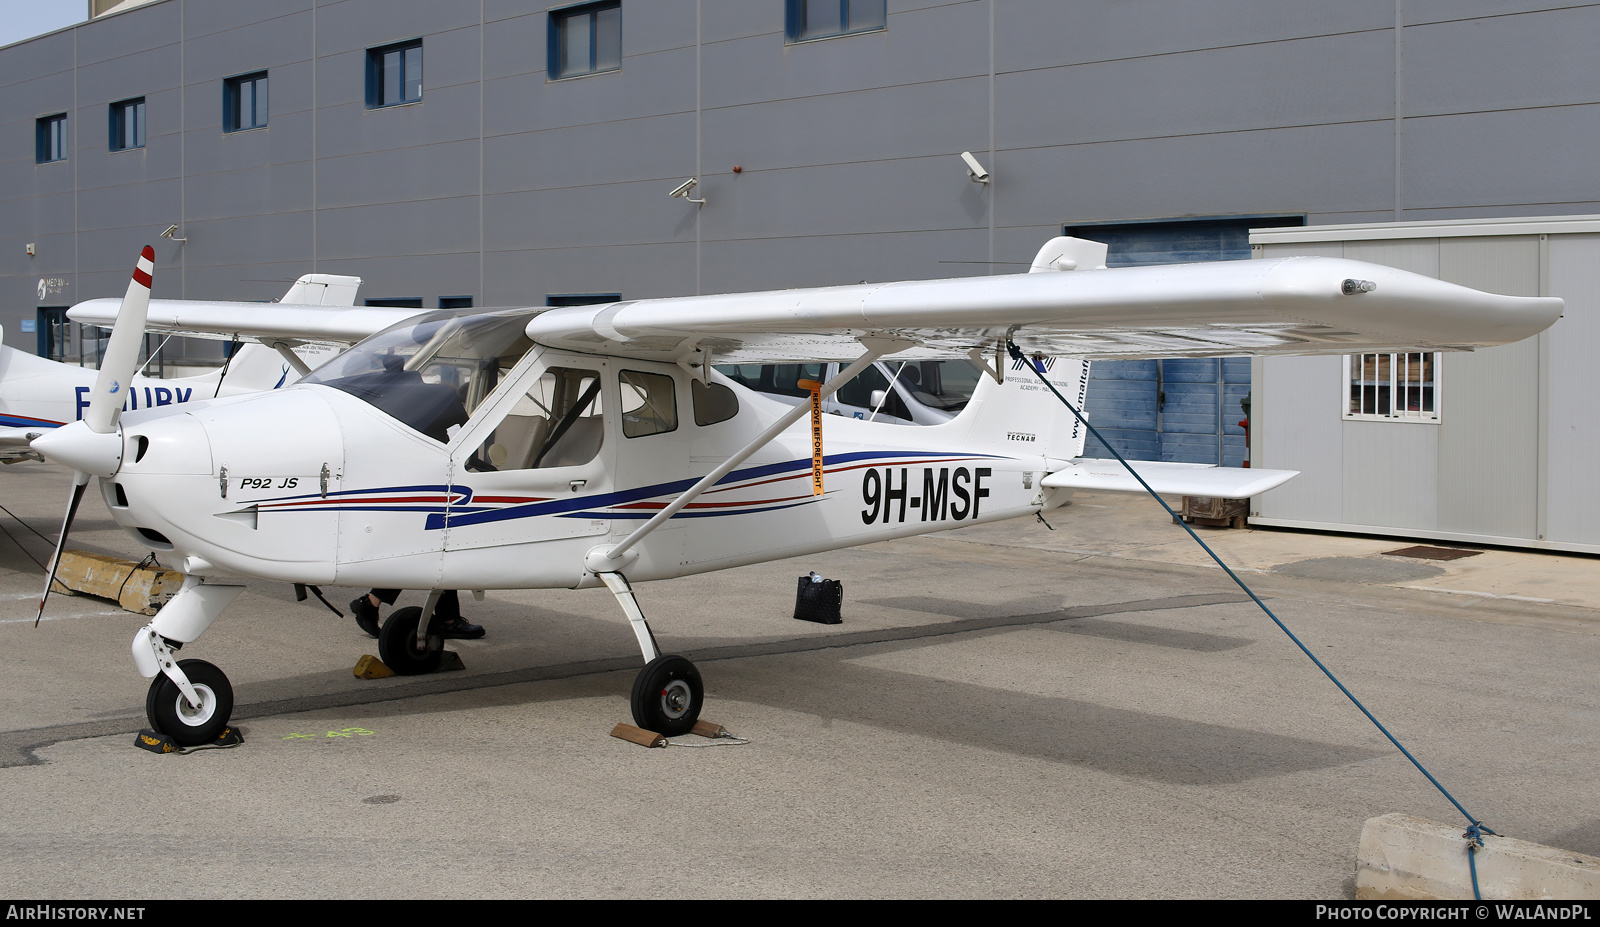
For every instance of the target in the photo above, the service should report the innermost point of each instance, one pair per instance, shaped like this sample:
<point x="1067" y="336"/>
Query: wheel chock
<point x="157" y="742"/>
<point x="637" y="735"/>
<point x="450" y="661"/>
<point x="370" y="667"/>
<point x="709" y="729"/>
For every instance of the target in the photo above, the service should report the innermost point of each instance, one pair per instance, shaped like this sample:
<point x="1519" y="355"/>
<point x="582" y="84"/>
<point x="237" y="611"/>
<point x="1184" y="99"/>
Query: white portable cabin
<point x="1500" y="446"/>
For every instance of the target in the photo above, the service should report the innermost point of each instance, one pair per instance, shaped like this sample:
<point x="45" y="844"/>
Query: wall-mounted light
<point x="974" y="169"/>
<point x="172" y="230"/>
<point x="682" y="192"/>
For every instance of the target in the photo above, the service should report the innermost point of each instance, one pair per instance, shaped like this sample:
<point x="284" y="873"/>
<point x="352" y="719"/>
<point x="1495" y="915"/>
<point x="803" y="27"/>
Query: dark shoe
<point x="460" y="629"/>
<point x="366" y="615"/>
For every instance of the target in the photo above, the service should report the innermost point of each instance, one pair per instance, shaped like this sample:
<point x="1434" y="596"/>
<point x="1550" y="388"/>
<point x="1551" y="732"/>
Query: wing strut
<point x="291" y="358"/>
<point x="609" y="559"/>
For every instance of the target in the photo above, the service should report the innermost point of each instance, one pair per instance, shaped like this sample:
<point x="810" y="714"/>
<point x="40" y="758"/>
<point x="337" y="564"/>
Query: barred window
<point x="1392" y="387"/>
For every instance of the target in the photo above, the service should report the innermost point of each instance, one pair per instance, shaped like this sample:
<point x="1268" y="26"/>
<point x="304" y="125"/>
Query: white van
<point x="899" y="392"/>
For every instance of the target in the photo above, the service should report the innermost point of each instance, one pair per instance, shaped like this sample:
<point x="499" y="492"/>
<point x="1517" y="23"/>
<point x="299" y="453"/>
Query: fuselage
<point x="373" y="475"/>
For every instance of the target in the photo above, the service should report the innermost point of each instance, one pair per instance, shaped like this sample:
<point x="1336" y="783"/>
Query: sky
<point x="24" y="19"/>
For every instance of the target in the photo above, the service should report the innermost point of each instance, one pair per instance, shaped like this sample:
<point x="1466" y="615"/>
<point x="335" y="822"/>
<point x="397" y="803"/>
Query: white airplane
<point x="37" y="394"/>
<point x="587" y="446"/>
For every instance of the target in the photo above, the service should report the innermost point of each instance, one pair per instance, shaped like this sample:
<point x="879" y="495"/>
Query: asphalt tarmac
<point x="1008" y="711"/>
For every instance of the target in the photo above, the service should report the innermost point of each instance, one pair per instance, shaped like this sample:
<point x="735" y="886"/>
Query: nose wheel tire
<point x="397" y="643"/>
<point x="667" y="696"/>
<point x="190" y="725"/>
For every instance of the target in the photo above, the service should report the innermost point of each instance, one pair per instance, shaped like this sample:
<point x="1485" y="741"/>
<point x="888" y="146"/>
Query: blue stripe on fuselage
<point x="23" y="421"/>
<point x="625" y="496"/>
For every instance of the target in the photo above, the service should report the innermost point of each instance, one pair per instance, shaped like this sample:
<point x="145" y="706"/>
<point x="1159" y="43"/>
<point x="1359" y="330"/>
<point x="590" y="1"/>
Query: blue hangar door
<point x="1177" y="409"/>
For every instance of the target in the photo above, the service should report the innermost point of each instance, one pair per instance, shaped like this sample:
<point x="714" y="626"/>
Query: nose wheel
<point x="190" y="725"/>
<point x="667" y="696"/>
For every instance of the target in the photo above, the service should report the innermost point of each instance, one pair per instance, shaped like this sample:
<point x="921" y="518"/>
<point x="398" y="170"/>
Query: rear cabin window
<point x="712" y="402"/>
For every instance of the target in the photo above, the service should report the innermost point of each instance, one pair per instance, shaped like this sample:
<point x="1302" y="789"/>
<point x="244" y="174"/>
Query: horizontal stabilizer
<point x="1179" y="479"/>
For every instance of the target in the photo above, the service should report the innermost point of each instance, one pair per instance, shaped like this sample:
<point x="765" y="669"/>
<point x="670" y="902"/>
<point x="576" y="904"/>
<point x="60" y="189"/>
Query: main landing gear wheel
<point x="667" y="696"/>
<point x="190" y="725"/>
<point x="397" y="643"/>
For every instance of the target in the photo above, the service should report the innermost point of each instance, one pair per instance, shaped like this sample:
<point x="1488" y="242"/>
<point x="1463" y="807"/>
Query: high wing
<point x="1298" y="305"/>
<point x="317" y="309"/>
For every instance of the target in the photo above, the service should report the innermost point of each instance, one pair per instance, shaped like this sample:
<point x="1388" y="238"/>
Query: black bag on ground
<point x="819" y="602"/>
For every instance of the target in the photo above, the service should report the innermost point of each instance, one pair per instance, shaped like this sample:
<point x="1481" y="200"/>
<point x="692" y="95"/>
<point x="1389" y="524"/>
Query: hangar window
<point x="51" y="137"/>
<point x="581" y="299"/>
<point x="585" y="39"/>
<point x="821" y="19"/>
<point x="127" y="124"/>
<point x="394" y="74"/>
<point x="1392" y="387"/>
<point x="244" y="102"/>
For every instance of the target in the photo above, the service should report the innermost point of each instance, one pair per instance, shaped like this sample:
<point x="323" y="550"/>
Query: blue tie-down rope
<point x="1475" y="829"/>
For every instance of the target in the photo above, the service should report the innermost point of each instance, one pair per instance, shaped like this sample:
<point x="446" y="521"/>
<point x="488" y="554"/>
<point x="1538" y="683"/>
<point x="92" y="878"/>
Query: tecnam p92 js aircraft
<point x="596" y="445"/>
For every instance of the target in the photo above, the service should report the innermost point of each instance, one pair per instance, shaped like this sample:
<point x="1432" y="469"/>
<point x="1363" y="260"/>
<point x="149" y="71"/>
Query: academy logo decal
<point x="1021" y="363"/>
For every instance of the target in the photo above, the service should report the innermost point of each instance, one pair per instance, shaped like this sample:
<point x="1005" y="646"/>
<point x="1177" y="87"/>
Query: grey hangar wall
<point x="504" y="185"/>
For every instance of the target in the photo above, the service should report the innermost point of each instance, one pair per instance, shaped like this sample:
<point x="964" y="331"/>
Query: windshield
<point x="432" y="370"/>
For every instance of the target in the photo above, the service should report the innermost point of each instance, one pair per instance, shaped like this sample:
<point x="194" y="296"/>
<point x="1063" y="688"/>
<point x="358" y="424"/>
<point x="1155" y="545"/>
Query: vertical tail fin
<point x="1022" y="416"/>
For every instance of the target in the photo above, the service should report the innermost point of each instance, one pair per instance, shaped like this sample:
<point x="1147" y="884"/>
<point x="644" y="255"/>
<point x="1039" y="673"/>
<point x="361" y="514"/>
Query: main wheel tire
<point x="667" y="696"/>
<point x="397" y="643"/>
<point x="190" y="726"/>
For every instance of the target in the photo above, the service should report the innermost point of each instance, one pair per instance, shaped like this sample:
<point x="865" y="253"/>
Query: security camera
<point x="974" y="169"/>
<point x="171" y="230"/>
<point x="683" y="189"/>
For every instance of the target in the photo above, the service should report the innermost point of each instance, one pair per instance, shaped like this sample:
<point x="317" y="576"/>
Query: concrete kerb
<point x="1405" y="857"/>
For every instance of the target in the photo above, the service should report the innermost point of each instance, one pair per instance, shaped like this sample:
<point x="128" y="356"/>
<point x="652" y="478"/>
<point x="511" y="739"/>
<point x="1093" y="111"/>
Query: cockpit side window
<point x="558" y="422"/>
<point x="430" y="372"/>
<point x="649" y="404"/>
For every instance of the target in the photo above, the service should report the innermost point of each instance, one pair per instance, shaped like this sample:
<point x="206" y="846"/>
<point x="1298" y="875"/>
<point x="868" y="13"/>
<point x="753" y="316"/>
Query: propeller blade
<point x="121" y="358"/>
<point x="80" y="481"/>
<point x="117" y="367"/>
